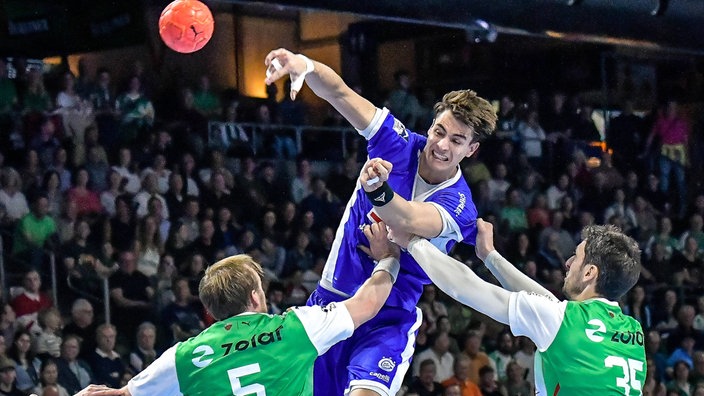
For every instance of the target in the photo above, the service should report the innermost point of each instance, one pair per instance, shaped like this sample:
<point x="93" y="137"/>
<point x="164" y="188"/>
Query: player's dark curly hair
<point x="471" y="110"/>
<point x="617" y="257"/>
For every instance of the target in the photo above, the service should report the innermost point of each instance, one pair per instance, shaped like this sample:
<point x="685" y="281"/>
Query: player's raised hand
<point x="485" y="239"/>
<point x="374" y="173"/>
<point x="281" y="62"/>
<point x="379" y="245"/>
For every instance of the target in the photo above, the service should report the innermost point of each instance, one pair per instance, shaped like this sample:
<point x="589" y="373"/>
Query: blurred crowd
<point x="127" y="193"/>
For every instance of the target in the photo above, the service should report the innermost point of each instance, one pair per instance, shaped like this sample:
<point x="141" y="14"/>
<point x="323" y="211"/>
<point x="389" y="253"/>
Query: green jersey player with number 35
<point x="250" y="353"/>
<point x="586" y="346"/>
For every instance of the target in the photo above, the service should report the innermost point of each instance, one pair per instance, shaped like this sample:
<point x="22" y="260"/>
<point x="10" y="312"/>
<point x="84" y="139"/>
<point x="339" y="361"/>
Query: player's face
<point x="449" y="141"/>
<point x="574" y="282"/>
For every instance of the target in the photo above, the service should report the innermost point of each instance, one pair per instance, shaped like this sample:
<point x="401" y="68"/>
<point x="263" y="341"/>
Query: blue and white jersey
<point x="348" y="267"/>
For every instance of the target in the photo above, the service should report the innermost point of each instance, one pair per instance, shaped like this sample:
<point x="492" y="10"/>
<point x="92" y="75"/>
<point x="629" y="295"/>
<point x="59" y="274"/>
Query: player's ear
<point x="473" y="147"/>
<point x="591" y="273"/>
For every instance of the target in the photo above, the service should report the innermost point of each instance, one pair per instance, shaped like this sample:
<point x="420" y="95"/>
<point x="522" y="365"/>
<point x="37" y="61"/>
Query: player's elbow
<point x="363" y="311"/>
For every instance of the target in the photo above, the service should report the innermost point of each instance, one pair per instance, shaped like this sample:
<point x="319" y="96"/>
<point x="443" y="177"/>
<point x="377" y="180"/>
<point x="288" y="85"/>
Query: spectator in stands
<point x="108" y="368"/>
<point x="11" y="196"/>
<point x="696" y="376"/>
<point x="341" y="182"/>
<point x="135" y="111"/>
<point x="187" y="167"/>
<point x="653" y="385"/>
<point x="515" y="383"/>
<point x="488" y="383"/>
<point x="175" y="196"/>
<point x="120" y="230"/>
<point x="525" y="357"/>
<point x="512" y="215"/>
<point x="131" y="294"/>
<point x="59" y="164"/>
<point x="74" y="373"/>
<point x="8" y="324"/>
<point x="182" y="319"/>
<point x="478" y="359"/>
<point x="193" y="270"/>
<point x="148" y="246"/>
<point x="498" y="185"/>
<point x="687" y="264"/>
<point x="683" y="352"/>
<point x="47" y="343"/>
<point x="402" y="102"/>
<point x="684" y="328"/>
<point x="301" y="184"/>
<point x="646" y="218"/>
<point x="695" y="230"/>
<point x="673" y="131"/>
<point x="31" y="171"/>
<point x="218" y="164"/>
<point x="36" y="101"/>
<point x="459" y="378"/>
<point x="322" y="203"/>
<point x="424" y="384"/>
<point x="232" y="137"/>
<point x="150" y="189"/>
<point x="34" y="232"/>
<point x="503" y="354"/>
<point x="48" y="377"/>
<point x="204" y="99"/>
<point x="115" y="187"/>
<point x="205" y="243"/>
<point x="103" y="99"/>
<point x="623" y="210"/>
<point x="126" y="168"/>
<point x="176" y="243"/>
<point x="145" y="353"/>
<point x="531" y="136"/>
<point x="583" y="128"/>
<point x="8" y="376"/>
<point x="638" y="307"/>
<point x="626" y="137"/>
<point x="26" y="363"/>
<point x="82" y="194"/>
<point x="82" y="325"/>
<point x="679" y="383"/>
<point x="217" y="195"/>
<point x="51" y="188"/>
<point x="440" y="355"/>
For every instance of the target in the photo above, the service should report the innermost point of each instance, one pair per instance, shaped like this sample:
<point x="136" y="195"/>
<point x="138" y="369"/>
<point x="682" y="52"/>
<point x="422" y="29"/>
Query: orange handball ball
<point x="186" y="25"/>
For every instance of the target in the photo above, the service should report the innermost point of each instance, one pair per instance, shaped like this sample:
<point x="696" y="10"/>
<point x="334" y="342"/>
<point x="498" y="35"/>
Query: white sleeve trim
<point x="327" y="325"/>
<point x="450" y="228"/>
<point x="535" y="316"/>
<point x="159" y="378"/>
<point x="375" y="124"/>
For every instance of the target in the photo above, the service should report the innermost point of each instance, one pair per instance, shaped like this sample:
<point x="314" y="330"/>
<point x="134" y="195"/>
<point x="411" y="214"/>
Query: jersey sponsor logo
<point x="387" y="364"/>
<point x="460" y="206"/>
<point x="400" y="129"/>
<point x="628" y="337"/>
<point x="382" y="377"/>
<point x="600" y="328"/>
<point x="257" y="340"/>
<point x="204" y="350"/>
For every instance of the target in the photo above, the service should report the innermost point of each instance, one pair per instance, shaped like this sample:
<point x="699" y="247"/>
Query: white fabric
<point x="511" y="278"/>
<point x="536" y="316"/>
<point x="159" y="378"/>
<point x="375" y="124"/>
<point x="326" y="325"/>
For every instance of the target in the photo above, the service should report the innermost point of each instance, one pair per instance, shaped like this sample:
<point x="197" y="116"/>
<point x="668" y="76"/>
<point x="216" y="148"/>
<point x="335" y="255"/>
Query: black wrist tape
<point x="381" y="196"/>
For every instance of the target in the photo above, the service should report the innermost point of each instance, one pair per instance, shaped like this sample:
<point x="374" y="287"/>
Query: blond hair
<point x="227" y="285"/>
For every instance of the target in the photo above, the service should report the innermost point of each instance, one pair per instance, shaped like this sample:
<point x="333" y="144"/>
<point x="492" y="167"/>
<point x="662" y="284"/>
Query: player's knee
<point x="359" y="391"/>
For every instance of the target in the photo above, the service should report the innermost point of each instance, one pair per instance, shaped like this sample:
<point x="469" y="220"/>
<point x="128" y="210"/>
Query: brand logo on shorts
<point x="386" y="364"/>
<point x="382" y="377"/>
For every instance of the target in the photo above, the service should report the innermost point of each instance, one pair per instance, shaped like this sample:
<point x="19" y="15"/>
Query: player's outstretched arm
<point x="102" y="390"/>
<point x="456" y="279"/>
<point x="510" y="277"/>
<point x="323" y="81"/>
<point x="418" y="218"/>
<point x="372" y="295"/>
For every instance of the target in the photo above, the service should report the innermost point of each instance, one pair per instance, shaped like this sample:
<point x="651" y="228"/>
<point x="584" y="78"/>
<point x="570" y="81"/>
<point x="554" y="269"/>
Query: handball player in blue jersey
<point x="425" y="195"/>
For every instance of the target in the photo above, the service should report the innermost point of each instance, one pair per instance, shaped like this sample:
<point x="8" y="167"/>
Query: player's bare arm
<point x="510" y="277"/>
<point x="419" y="218"/>
<point x="324" y="82"/>
<point x="372" y="295"/>
<point x="102" y="390"/>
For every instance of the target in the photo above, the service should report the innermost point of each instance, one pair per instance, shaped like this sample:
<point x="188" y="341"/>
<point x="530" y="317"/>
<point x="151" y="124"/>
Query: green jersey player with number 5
<point x="586" y="346"/>
<point x="250" y="353"/>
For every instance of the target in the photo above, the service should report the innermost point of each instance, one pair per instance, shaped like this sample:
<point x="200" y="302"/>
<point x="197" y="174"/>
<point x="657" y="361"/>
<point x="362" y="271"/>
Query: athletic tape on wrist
<point x="381" y="196"/>
<point x="390" y="265"/>
<point x="297" y="84"/>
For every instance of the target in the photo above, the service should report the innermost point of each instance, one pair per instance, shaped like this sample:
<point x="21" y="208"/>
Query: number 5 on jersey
<point x="237" y="389"/>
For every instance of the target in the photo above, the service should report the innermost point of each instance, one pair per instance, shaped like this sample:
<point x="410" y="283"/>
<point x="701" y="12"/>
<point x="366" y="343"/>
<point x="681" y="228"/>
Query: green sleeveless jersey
<point x="584" y="348"/>
<point x="248" y="354"/>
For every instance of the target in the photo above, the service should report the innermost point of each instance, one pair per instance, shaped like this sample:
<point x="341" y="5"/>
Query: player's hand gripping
<point x="485" y="239"/>
<point x="379" y="245"/>
<point x="374" y="173"/>
<point x="281" y="62"/>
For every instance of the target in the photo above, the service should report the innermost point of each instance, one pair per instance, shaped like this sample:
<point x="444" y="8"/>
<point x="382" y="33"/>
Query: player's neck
<point x="433" y="177"/>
